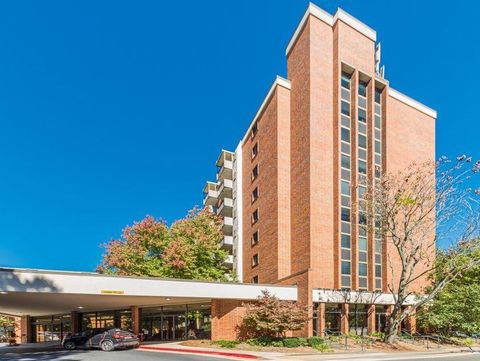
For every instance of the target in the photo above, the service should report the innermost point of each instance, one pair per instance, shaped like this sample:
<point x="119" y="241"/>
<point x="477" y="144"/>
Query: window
<point x="255" y="150"/>
<point x="255" y="216"/>
<point x="345" y="241"/>
<point x="255" y="279"/>
<point x="362" y="269"/>
<point x="345" y="80"/>
<point x="254" y="129"/>
<point x="255" y="195"/>
<point x="255" y="238"/>
<point x="345" y="188"/>
<point x="362" y="141"/>
<point x="345" y="161"/>
<point x="362" y="116"/>
<point x="362" y="88"/>
<point x="378" y="96"/>
<point x="362" y="244"/>
<point x="345" y="135"/>
<point x="345" y="268"/>
<point x="345" y="214"/>
<point x="255" y="260"/>
<point x="345" y="108"/>
<point x="362" y="167"/>
<point x="255" y="173"/>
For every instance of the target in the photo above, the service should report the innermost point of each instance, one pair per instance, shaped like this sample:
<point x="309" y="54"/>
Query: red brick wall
<point x="410" y="138"/>
<point x="227" y="316"/>
<point x="273" y="182"/>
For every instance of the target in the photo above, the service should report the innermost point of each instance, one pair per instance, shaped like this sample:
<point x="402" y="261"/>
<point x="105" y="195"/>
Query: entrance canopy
<point x="43" y="292"/>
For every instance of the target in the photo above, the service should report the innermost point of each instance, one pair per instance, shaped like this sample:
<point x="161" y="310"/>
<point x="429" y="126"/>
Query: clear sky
<point x="112" y="110"/>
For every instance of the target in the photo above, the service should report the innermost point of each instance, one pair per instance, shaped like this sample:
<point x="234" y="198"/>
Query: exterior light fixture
<point x="168" y="298"/>
<point x="80" y="307"/>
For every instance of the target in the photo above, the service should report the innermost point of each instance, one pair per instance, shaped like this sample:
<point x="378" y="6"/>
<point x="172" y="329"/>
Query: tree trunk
<point x="394" y="322"/>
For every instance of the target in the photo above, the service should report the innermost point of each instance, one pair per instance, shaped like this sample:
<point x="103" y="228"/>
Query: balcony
<point x="225" y="189"/>
<point x="227" y="226"/>
<point x="225" y="207"/>
<point x="211" y="194"/>
<point x="227" y="242"/>
<point x="225" y="165"/>
<point x="229" y="261"/>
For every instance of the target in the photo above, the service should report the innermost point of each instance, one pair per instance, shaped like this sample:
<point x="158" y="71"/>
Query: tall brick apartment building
<point x="286" y="195"/>
<point x="319" y="136"/>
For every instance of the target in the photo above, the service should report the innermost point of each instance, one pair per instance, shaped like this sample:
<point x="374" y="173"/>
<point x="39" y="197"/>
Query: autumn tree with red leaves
<point x="188" y="249"/>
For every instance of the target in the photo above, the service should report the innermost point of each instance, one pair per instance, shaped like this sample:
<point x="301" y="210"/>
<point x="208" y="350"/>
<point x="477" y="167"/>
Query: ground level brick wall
<point x="227" y="317"/>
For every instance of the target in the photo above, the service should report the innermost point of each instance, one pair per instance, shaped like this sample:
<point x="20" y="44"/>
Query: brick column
<point x="227" y="317"/>
<point x="74" y="322"/>
<point x="344" y="327"/>
<point x="25" y="329"/>
<point x="135" y="319"/>
<point x="372" y="319"/>
<point x="321" y="319"/>
<point x="411" y="322"/>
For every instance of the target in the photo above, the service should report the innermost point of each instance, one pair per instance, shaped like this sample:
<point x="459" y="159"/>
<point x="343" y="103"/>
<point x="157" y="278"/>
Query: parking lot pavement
<point x="13" y="354"/>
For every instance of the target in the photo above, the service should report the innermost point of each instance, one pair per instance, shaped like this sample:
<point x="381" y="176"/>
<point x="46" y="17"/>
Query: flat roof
<point x="41" y="292"/>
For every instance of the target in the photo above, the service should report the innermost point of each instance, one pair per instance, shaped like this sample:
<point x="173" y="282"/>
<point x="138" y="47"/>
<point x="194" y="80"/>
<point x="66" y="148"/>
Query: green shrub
<point x="335" y="339"/>
<point x="252" y="342"/>
<point x="264" y="340"/>
<point x="468" y="342"/>
<point x="277" y="343"/>
<point x="291" y="342"/>
<point x="322" y="347"/>
<point x="303" y="341"/>
<point x="378" y="334"/>
<point x="315" y="340"/>
<point x="226" y="343"/>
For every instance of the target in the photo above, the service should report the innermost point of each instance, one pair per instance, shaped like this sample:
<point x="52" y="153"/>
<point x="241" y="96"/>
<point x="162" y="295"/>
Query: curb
<point x="201" y="352"/>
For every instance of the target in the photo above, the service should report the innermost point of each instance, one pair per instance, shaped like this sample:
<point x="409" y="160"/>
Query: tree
<point x="456" y="307"/>
<point x="413" y="209"/>
<point x="6" y="322"/>
<point x="272" y="317"/>
<point x="189" y="249"/>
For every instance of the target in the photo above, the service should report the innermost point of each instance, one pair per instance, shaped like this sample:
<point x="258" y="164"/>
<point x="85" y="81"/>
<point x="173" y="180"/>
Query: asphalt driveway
<point x="43" y="354"/>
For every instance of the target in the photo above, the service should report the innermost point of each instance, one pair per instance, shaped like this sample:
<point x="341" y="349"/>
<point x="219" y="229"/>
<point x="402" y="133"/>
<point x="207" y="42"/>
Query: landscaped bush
<point x="303" y="341"/>
<point x="291" y="342"/>
<point x="226" y="343"/>
<point x="322" y="347"/>
<point x="277" y="343"/>
<point x="315" y="340"/>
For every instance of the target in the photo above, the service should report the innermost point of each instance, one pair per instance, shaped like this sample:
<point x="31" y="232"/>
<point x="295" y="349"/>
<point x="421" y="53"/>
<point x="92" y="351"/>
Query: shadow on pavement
<point x="43" y="354"/>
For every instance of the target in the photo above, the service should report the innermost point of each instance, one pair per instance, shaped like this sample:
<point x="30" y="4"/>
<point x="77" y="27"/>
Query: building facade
<point x="320" y="136"/>
<point x="290" y="196"/>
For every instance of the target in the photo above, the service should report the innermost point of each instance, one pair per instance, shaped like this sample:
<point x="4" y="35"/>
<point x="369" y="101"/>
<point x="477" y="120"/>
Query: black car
<point x="105" y="339"/>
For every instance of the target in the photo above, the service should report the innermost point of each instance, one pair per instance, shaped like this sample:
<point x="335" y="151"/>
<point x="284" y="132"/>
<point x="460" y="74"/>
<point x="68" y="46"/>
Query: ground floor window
<point x="107" y="319"/>
<point x="50" y="328"/>
<point x="358" y="319"/>
<point x="176" y="322"/>
<point x="332" y="319"/>
<point x="380" y="318"/>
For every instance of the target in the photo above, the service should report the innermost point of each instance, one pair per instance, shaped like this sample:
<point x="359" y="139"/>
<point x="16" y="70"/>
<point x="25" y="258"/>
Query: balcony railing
<point x="211" y="194"/>
<point x="225" y="206"/>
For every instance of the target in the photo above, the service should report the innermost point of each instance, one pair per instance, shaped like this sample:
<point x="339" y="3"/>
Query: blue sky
<point x="111" y="110"/>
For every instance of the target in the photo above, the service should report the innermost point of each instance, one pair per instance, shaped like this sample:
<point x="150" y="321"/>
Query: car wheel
<point x="107" y="345"/>
<point x="69" y="345"/>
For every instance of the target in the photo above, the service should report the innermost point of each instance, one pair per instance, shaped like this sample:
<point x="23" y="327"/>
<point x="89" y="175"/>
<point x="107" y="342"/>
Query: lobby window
<point x="255" y="173"/>
<point x="255" y="279"/>
<point x="255" y="150"/>
<point x="255" y="216"/>
<point x="255" y="195"/>
<point x="255" y="238"/>
<point x="255" y="260"/>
